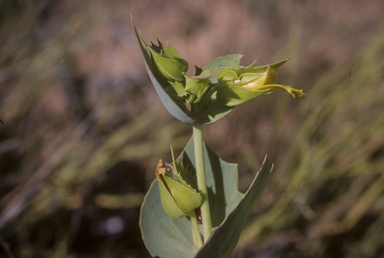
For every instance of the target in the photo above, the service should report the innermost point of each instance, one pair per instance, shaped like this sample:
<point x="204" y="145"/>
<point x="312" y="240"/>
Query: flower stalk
<point x="201" y="180"/>
<point x="196" y="231"/>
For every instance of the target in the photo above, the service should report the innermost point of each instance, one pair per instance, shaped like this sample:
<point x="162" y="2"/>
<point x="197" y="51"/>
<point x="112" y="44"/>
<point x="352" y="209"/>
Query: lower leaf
<point x="169" y="237"/>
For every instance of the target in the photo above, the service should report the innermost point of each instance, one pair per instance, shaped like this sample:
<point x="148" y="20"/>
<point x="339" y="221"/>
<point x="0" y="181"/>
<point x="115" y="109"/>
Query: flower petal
<point x="235" y="95"/>
<point x="277" y="87"/>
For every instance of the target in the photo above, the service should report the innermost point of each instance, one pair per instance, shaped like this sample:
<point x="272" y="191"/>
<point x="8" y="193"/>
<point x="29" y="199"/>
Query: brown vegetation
<point x="82" y="127"/>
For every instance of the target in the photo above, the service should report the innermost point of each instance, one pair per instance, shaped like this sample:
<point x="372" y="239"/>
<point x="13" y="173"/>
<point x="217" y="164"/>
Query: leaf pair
<point x="169" y="237"/>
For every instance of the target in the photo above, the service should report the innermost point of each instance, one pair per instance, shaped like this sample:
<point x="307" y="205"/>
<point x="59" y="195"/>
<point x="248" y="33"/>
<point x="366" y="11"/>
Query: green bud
<point x="177" y="197"/>
<point x="167" y="61"/>
<point x="199" y="84"/>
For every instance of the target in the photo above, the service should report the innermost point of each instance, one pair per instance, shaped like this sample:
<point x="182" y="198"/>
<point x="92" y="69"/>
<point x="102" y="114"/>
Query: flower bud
<point x="197" y="85"/>
<point x="168" y="64"/>
<point x="237" y="85"/>
<point x="177" y="197"/>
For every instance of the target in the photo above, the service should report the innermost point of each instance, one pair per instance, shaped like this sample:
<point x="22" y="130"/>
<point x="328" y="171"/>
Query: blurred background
<point x="82" y="128"/>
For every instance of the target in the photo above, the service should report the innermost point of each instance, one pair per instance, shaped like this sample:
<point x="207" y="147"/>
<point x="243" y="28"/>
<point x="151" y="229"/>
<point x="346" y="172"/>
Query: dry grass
<point x="83" y="128"/>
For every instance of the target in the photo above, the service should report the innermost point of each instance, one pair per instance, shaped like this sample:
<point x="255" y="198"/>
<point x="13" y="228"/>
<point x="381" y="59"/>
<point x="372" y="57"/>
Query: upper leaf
<point x="221" y="63"/>
<point x="198" y="84"/>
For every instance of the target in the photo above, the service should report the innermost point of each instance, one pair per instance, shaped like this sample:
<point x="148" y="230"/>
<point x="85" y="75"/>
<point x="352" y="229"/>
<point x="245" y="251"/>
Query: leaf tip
<point x="266" y="162"/>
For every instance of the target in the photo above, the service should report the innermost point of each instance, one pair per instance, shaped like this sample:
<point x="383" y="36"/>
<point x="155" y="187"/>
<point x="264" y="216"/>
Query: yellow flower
<point x="237" y="85"/>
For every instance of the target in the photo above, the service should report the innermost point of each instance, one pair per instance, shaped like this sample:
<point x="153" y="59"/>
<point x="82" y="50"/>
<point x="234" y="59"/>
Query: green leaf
<point x="167" y="51"/>
<point x="225" y="237"/>
<point x="244" y="75"/>
<point x="215" y="110"/>
<point x="169" y="237"/>
<point x="235" y="95"/>
<point x="262" y="69"/>
<point x="198" y="84"/>
<point x="164" y="235"/>
<point x="147" y="58"/>
<point x="176" y="90"/>
<point x="221" y="179"/>
<point x="257" y="69"/>
<point x="227" y="75"/>
<point x="176" y="108"/>
<point x="221" y="63"/>
<point x="169" y="67"/>
<point x="168" y="62"/>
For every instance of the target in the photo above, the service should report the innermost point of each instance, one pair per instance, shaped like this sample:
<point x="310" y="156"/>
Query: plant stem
<point x="196" y="230"/>
<point x="201" y="182"/>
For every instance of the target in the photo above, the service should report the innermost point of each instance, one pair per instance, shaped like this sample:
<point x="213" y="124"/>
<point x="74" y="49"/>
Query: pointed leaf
<point x="261" y="69"/>
<point x="164" y="235"/>
<point x="198" y="83"/>
<point x="167" y="50"/>
<point x="258" y="69"/>
<point x="221" y="63"/>
<point x="176" y="108"/>
<point x="176" y="90"/>
<point x="225" y="237"/>
<point x="172" y="68"/>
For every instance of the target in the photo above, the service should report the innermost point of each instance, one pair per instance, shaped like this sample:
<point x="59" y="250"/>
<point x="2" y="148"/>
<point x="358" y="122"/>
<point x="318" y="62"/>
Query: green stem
<point x="207" y="87"/>
<point x="201" y="183"/>
<point x="196" y="230"/>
